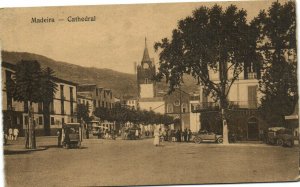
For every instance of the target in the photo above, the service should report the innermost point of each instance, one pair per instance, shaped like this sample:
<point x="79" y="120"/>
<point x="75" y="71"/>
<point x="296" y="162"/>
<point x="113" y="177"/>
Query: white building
<point x="63" y="108"/>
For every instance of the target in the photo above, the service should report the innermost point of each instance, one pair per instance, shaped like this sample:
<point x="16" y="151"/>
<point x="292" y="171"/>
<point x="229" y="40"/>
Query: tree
<point x="211" y="40"/>
<point x="277" y="46"/>
<point x="30" y="85"/>
<point x="48" y="89"/>
<point x="83" y="112"/>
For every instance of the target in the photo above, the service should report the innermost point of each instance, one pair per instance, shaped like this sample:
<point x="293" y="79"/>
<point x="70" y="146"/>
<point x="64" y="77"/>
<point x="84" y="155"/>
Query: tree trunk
<point x="225" y="128"/>
<point x="46" y="114"/>
<point x="30" y="138"/>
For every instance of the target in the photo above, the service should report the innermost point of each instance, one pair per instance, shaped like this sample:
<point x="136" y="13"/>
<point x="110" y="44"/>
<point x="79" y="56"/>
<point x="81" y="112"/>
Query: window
<point x="52" y="120"/>
<point x="51" y="108"/>
<point x="62" y="92"/>
<point x="96" y="91"/>
<point x="252" y="96"/>
<point x="25" y="107"/>
<point x="177" y="103"/>
<point x="63" y="120"/>
<point x="102" y="103"/>
<point x="40" y="120"/>
<point x="146" y="80"/>
<point x="99" y="104"/>
<point x="184" y="108"/>
<point x="71" y="93"/>
<point x="62" y="107"/>
<point x="169" y="108"/>
<point x="94" y="102"/>
<point x="40" y="107"/>
<point x="26" y="120"/>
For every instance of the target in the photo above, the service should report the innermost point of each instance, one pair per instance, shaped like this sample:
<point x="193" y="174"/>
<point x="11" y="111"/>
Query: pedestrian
<point x="16" y="133"/>
<point x="169" y="135"/>
<point x="179" y="134"/>
<point x="67" y="137"/>
<point x="10" y="133"/>
<point x="87" y="133"/>
<point x="185" y="134"/>
<point x="156" y="137"/>
<point x="173" y="134"/>
<point x="136" y="133"/>
<point x="99" y="133"/>
<point x="189" y="135"/>
<point x="59" y="135"/>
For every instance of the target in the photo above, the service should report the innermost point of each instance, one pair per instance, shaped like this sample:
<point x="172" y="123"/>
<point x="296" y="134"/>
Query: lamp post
<point x="180" y="113"/>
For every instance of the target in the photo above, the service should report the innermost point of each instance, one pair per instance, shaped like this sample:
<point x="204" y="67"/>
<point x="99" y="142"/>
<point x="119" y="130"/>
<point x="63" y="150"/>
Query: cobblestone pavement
<point x="138" y="162"/>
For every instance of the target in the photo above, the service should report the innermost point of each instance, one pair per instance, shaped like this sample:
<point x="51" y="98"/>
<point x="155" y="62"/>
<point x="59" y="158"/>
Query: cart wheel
<point x="280" y="142"/>
<point x="289" y="143"/>
<point x="197" y="140"/>
<point x="220" y="140"/>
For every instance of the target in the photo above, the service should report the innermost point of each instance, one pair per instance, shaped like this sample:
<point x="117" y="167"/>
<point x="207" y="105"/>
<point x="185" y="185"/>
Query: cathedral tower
<point x="145" y="74"/>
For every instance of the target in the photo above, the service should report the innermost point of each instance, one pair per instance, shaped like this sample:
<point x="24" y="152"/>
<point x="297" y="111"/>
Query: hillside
<point x="121" y="83"/>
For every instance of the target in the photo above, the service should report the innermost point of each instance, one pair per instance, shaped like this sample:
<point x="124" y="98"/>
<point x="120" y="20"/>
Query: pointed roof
<point x="146" y="57"/>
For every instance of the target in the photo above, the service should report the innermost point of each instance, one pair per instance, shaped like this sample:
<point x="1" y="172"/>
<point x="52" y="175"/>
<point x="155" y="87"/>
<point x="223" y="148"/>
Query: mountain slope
<point x="122" y="84"/>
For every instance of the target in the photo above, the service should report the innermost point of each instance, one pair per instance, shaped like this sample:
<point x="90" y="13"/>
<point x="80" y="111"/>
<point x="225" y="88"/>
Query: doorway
<point x="253" y="129"/>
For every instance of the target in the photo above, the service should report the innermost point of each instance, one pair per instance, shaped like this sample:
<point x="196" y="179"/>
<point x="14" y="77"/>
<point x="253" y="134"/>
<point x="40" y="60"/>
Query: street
<point x="138" y="162"/>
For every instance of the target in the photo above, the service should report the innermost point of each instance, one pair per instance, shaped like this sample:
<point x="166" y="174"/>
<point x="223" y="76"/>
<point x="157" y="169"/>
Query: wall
<point x="147" y="91"/>
<point x="156" y="106"/>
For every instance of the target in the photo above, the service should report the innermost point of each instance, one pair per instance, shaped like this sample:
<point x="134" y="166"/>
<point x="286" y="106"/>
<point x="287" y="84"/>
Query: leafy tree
<point x="83" y="112"/>
<point x="211" y="40"/>
<point x="31" y="85"/>
<point x="277" y="44"/>
<point x="48" y="89"/>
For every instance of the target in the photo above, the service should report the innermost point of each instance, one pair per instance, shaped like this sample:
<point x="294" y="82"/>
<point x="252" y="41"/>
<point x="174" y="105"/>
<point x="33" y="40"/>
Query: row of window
<point x="104" y="104"/>
<point x="40" y="121"/>
<point x="170" y="108"/>
<point x="131" y="102"/>
<point x="98" y="91"/>
<point x="62" y="96"/>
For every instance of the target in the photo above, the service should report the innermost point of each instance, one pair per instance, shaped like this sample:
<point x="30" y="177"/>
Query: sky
<point x="115" y="40"/>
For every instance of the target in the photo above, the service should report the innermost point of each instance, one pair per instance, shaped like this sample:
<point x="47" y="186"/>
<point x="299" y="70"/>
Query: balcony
<point x="243" y="105"/>
<point x="205" y="106"/>
<point x="214" y="106"/>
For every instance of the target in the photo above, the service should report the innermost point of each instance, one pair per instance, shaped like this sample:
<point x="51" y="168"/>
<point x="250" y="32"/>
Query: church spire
<point x="146" y="57"/>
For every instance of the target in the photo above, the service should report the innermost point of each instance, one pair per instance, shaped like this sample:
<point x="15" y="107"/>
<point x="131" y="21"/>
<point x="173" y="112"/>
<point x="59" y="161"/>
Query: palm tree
<point x="30" y="86"/>
<point x="48" y="89"/>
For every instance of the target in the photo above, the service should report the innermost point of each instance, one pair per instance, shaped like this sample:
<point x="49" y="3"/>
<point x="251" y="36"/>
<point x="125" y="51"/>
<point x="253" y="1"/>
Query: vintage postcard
<point x="150" y="94"/>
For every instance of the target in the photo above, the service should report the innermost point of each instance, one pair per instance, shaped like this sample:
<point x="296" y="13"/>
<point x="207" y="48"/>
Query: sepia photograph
<point x="150" y="94"/>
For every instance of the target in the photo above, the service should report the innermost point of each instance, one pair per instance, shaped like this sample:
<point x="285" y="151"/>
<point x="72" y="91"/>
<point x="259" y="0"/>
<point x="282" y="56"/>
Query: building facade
<point x="63" y="108"/>
<point x="86" y="100"/>
<point x="101" y="97"/>
<point x="244" y="99"/>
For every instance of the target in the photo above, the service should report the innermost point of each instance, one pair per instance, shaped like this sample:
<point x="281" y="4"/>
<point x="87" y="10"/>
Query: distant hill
<point x="122" y="84"/>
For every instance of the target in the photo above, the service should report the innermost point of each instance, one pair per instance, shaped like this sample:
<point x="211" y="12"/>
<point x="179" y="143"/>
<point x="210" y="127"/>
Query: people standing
<point x="59" y="135"/>
<point x="136" y="134"/>
<point x="16" y="133"/>
<point x="173" y="135"/>
<point x="156" y="137"/>
<point x="189" y="135"/>
<point x="185" y="134"/>
<point x="10" y="133"/>
<point x="87" y="133"/>
<point x="178" y="135"/>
